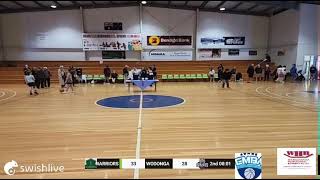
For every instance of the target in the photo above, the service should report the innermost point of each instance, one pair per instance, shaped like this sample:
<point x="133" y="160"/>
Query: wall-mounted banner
<point x="233" y="52"/>
<point x="209" y="53"/>
<point x="167" y="55"/>
<point x="253" y="52"/>
<point x="112" y="42"/>
<point x="169" y="40"/>
<point x="234" y="40"/>
<point x="207" y="41"/>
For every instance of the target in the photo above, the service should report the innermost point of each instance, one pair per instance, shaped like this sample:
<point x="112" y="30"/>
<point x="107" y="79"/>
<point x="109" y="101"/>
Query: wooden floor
<point x="213" y="123"/>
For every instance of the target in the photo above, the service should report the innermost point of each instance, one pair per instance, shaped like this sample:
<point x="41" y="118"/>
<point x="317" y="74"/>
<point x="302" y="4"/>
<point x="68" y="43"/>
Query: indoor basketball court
<point x="152" y="89"/>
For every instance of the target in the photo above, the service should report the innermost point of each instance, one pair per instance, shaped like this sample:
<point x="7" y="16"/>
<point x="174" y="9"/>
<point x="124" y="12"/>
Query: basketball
<point x="249" y="173"/>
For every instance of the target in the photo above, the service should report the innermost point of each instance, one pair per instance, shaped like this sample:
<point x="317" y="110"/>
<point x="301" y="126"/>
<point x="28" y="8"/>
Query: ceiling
<point x="258" y="8"/>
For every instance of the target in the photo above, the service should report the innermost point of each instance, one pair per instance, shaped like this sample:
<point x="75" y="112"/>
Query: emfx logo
<point x="9" y="167"/>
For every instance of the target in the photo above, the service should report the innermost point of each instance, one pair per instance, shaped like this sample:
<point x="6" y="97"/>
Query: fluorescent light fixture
<point x="53" y="6"/>
<point x="222" y="9"/>
<point x="143" y="2"/>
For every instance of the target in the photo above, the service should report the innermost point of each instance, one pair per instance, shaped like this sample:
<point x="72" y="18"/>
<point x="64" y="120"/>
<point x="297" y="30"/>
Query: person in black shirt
<point x="41" y="77"/>
<point x="150" y="73"/>
<point x="114" y="76"/>
<point x="250" y="72"/>
<point x="125" y="72"/>
<point x="26" y="70"/>
<point x="47" y="76"/>
<point x="220" y="72"/>
<point x="35" y="73"/>
<point x="313" y="73"/>
<point x="144" y="73"/>
<point x="107" y="73"/>
<point x="226" y="75"/>
<point x="72" y="71"/>
<point x="267" y="72"/>
<point x="154" y="70"/>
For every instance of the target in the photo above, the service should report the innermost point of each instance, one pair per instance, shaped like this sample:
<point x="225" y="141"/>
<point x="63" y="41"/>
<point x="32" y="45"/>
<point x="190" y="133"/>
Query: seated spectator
<point x="150" y="73"/>
<point x="144" y="74"/>
<point x="114" y="76"/>
<point x="313" y="73"/>
<point x="135" y="73"/>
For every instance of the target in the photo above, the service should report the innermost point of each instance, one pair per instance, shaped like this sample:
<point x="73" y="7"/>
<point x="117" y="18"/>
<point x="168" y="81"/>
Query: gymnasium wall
<point x="284" y="37"/>
<point x="53" y="35"/>
<point x="56" y="35"/>
<point x="308" y="35"/>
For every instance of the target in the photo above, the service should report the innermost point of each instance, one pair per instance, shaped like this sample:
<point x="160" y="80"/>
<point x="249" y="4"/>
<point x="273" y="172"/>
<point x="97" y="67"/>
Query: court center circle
<point x="133" y="101"/>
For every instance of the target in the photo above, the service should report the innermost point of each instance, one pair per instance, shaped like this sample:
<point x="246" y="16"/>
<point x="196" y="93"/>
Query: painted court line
<point x="14" y="94"/>
<point x="138" y="146"/>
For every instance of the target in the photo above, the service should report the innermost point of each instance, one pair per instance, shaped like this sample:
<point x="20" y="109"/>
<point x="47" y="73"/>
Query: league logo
<point x="248" y="166"/>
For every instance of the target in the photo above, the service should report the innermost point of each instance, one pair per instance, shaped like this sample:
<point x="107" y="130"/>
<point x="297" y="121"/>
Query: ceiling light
<point x="143" y="2"/>
<point x="53" y="6"/>
<point x="222" y="9"/>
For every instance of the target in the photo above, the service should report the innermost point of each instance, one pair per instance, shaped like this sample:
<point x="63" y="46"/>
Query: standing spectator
<point x="258" y="71"/>
<point x="72" y="70"/>
<point x="284" y="68"/>
<point x="107" y="73"/>
<point x="114" y="76"/>
<point x="281" y="74"/>
<point x="220" y="72"/>
<point x="41" y="77"/>
<point x="35" y="73"/>
<point x="30" y="81"/>
<point x="47" y="76"/>
<point x="211" y="74"/>
<point x="293" y="72"/>
<point x="267" y="72"/>
<point x="154" y="70"/>
<point x="125" y="72"/>
<point x="226" y="75"/>
<point x="68" y="83"/>
<point x="61" y="77"/>
<point x="26" y="70"/>
<point x="250" y="72"/>
<point x="233" y="73"/>
<point x="313" y="73"/>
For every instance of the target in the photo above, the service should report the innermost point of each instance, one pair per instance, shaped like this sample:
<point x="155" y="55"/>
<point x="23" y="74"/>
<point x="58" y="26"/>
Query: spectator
<point x="114" y="76"/>
<point x="313" y="73"/>
<point x="293" y="72"/>
<point x="107" y="73"/>
<point x="220" y="71"/>
<point x="150" y="73"/>
<point x="258" y="71"/>
<point x="135" y="73"/>
<point x="154" y="70"/>
<point x="267" y="72"/>
<point x="250" y="72"/>
<point x="47" y="76"/>
<point x="225" y="78"/>
<point x="211" y="74"/>
<point x="125" y="72"/>
<point x="281" y="74"/>
<point x="41" y="77"/>
<point x="61" y="77"/>
<point x="72" y="70"/>
<point x="30" y="81"/>
<point x="144" y="73"/>
<point x="68" y="82"/>
<point x="233" y="73"/>
<point x="26" y="70"/>
<point x="35" y="73"/>
<point x="284" y="68"/>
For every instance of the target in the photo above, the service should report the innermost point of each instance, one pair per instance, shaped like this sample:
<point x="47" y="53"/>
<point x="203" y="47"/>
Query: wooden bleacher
<point x="12" y="71"/>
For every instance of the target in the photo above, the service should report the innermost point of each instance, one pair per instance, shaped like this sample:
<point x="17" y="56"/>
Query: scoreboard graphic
<point x="100" y="163"/>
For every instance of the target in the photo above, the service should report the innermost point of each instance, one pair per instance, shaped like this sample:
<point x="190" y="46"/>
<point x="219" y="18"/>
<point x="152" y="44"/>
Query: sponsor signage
<point x="168" y="55"/>
<point x="234" y="40"/>
<point x="169" y="40"/>
<point x="296" y="161"/>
